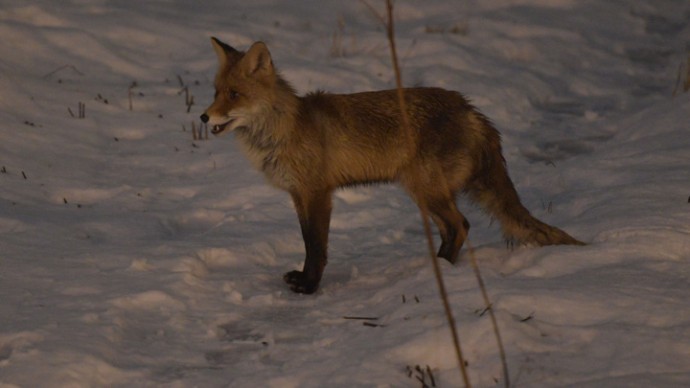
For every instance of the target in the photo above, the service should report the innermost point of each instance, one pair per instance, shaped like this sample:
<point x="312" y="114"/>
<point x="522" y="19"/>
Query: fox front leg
<point x="314" y="213"/>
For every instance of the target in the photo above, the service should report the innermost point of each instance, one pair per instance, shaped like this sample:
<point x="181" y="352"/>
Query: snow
<point x="133" y="255"/>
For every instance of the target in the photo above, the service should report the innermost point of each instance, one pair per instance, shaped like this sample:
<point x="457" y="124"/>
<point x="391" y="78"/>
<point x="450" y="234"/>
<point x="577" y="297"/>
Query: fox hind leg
<point x="452" y="225"/>
<point x="433" y="187"/>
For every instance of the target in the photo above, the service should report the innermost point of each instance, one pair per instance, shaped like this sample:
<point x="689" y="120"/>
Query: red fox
<point x="311" y="145"/>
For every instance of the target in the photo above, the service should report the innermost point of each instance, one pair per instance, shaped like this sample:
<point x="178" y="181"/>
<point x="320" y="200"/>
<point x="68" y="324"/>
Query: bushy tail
<point x="494" y="191"/>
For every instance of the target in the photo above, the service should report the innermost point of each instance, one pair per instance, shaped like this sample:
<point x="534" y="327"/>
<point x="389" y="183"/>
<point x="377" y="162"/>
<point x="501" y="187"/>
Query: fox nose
<point x="204" y="118"/>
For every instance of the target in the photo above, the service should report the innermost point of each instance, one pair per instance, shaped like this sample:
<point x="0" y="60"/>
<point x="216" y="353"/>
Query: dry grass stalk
<point x="427" y="227"/>
<point x="679" y="80"/>
<point x="422" y="206"/>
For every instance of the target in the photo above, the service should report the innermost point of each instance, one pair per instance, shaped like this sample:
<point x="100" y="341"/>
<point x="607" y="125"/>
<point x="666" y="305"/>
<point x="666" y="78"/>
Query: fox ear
<point x="226" y="54"/>
<point x="257" y="61"/>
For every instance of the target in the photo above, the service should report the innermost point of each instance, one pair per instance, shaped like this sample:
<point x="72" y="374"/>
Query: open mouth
<point x="220" y="128"/>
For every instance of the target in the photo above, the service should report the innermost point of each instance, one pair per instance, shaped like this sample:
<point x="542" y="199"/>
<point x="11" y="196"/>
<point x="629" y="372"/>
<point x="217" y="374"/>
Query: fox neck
<point x="271" y="127"/>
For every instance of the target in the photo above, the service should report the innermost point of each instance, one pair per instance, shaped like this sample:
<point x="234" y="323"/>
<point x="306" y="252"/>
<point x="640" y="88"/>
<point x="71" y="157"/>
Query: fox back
<point x="311" y="145"/>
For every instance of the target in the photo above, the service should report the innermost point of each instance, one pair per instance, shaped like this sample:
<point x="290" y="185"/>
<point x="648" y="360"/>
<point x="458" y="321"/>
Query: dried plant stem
<point x="130" y="93"/>
<point x="680" y="83"/>
<point x="81" y="113"/>
<point x="492" y="316"/>
<point x="444" y="296"/>
<point x="686" y="84"/>
<point x="422" y="205"/>
<point x="398" y="76"/>
<point x="59" y="69"/>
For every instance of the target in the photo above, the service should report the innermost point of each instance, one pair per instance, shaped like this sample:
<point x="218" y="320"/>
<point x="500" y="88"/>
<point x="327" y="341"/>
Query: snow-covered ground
<point x="133" y="255"/>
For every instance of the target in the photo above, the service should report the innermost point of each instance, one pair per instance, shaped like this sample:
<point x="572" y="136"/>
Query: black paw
<point x="299" y="282"/>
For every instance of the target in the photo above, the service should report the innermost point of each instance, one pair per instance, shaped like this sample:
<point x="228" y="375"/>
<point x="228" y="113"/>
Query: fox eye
<point x="233" y="94"/>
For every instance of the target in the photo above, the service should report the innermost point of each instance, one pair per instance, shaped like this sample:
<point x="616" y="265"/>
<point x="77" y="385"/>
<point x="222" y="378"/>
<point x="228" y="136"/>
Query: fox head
<point x="245" y="87"/>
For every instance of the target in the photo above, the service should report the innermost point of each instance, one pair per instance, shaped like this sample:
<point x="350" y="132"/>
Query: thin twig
<point x="361" y="318"/>
<point x="678" y="79"/>
<point x="686" y="85"/>
<point x="374" y="12"/>
<point x="680" y="83"/>
<point x="489" y="308"/>
<point x="412" y="143"/>
<point x="130" y="92"/>
<point x="398" y="76"/>
<point x="431" y="376"/>
<point x="63" y="68"/>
